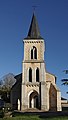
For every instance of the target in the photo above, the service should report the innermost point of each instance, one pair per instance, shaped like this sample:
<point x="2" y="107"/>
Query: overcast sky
<point x="52" y="17"/>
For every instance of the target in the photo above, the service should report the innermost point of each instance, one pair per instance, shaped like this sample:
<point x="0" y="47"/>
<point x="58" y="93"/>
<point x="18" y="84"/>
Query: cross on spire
<point x="34" y="8"/>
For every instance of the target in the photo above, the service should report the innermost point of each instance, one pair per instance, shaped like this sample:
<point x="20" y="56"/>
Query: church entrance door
<point x="33" y="100"/>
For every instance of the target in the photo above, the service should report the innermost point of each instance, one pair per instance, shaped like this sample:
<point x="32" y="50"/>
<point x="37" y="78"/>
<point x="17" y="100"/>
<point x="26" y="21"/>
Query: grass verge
<point x="35" y="117"/>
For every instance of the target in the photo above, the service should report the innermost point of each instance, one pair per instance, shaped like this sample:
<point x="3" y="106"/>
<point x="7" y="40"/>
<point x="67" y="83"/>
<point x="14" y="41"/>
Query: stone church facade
<point x="35" y="87"/>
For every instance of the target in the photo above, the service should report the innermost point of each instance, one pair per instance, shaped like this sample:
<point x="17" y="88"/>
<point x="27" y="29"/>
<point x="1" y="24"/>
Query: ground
<point x="35" y="117"/>
<point x="38" y="116"/>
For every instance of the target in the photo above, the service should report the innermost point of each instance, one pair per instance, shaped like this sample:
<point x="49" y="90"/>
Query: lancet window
<point x="30" y="75"/>
<point x="34" y="53"/>
<point x="37" y="75"/>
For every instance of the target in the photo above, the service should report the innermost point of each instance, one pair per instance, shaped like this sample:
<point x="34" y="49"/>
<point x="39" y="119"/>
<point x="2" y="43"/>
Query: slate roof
<point x="63" y="98"/>
<point x="18" y="80"/>
<point x="34" y="32"/>
<point x="18" y="77"/>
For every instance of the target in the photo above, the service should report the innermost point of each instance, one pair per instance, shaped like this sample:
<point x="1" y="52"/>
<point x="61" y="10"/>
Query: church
<point x="35" y="88"/>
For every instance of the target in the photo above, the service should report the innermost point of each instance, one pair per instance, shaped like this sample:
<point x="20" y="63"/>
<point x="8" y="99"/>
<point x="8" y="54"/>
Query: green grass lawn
<point x="26" y="116"/>
<point x="35" y="117"/>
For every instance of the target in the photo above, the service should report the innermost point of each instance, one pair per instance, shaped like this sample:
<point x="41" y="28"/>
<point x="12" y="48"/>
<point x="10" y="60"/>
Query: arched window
<point x="30" y="75"/>
<point x="37" y="75"/>
<point x="34" y="53"/>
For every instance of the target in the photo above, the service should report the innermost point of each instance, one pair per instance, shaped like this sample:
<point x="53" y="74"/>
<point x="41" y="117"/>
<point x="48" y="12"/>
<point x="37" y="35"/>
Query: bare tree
<point x="7" y="82"/>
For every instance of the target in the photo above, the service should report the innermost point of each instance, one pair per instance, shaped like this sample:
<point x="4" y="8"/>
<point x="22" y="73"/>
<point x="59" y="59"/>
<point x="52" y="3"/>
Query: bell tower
<point x="33" y="68"/>
<point x="36" y="88"/>
<point x="33" y="43"/>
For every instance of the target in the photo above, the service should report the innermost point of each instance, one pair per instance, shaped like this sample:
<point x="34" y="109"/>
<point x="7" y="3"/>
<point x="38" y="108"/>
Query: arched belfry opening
<point x="31" y="53"/>
<point x="34" y="53"/>
<point x="30" y="75"/>
<point x="37" y="75"/>
<point x="33" y="100"/>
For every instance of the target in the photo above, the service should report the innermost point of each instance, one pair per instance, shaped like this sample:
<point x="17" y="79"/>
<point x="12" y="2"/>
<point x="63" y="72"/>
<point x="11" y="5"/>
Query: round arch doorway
<point x="33" y="100"/>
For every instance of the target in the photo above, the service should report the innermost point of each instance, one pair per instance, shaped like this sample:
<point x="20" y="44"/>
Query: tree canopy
<point x="65" y="80"/>
<point x="6" y="84"/>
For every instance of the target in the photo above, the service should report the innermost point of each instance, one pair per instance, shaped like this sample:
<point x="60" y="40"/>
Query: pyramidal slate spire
<point x="34" y="32"/>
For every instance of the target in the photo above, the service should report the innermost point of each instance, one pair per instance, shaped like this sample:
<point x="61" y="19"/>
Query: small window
<point x="35" y="53"/>
<point x="32" y="54"/>
<point x="37" y="75"/>
<point x="30" y="75"/>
